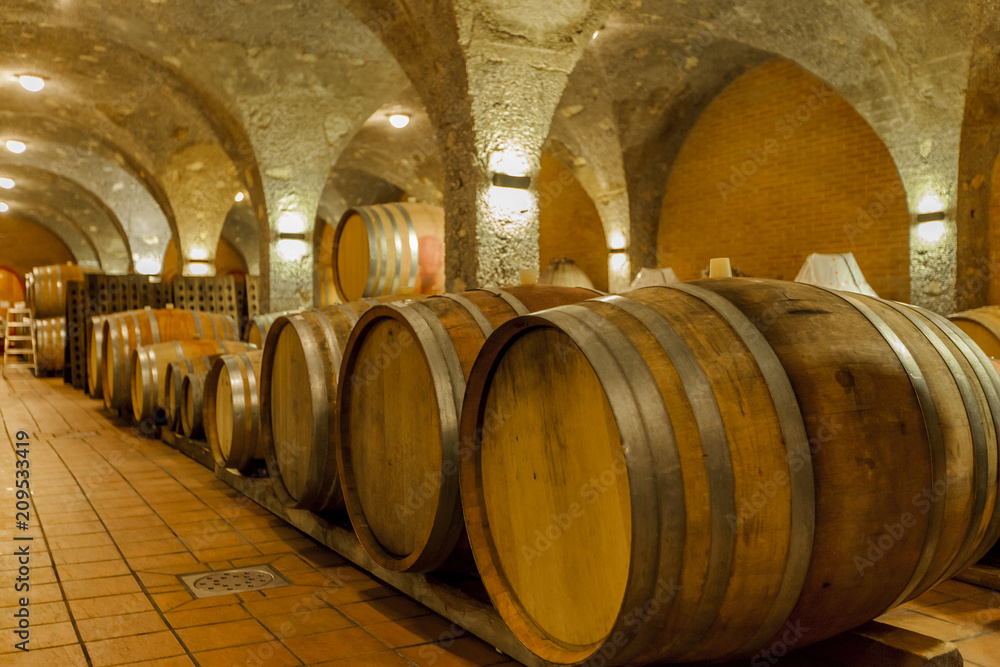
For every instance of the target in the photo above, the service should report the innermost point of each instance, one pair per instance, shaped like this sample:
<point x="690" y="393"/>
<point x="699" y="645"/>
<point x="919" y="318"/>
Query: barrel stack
<point x="687" y="448"/>
<point x="124" y="332"/>
<point x="400" y="393"/>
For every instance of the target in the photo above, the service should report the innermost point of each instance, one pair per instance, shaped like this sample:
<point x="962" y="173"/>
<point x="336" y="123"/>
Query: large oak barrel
<point x="565" y="273"/>
<point x="298" y="392"/>
<point x="174" y="381"/>
<point x="687" y="472"/>
<point x="231" y="413"/>
<point x="49" y="289"/>
<point x="95" y="350"/>
<point x="401" y="387"/>
<point x="257" y="327"/>
<point x="148" y="368"/>
<point x="50" y="345"/>
<point x="126" y="331"/>
<point x="389" y="249"/>
<point x="983" y="326"/>
<point x="192" y="400"/>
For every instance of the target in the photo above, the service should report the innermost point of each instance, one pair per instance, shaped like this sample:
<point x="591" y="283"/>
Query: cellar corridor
<point x="117" y="516"/>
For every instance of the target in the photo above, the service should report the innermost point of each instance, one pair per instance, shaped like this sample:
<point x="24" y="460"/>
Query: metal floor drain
<point x="224" y="582"/>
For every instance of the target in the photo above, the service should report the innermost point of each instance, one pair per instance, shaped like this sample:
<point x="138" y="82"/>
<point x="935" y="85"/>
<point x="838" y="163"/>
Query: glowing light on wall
<point x="6" y="183"/>
<point x="15" y="146"/>
<point x="3" y="207"/>
<point x="198" y="253"/>
<point x="149" y="266"/>
<point x="239" y="197"/>
<point x="198" y="269"/>
<point x="399" y="120"/>
<point x="509" y="201"/>
<point x="31" y="83"/>
<point x="930" y="203"/>
<point x="933" y="231"/>
<point x="291" y="250"/>
<point x="618" y="261"/>
<point x="509" y="162"/>
<point x="292" y="222"/>
<point x="617" y="242"/>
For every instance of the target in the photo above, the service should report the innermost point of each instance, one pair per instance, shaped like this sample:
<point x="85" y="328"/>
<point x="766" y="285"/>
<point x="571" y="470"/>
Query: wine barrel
<point x="256" y="330"/>
<point x="720" y="459"/>
<point x="174" y="381"/>
<point x="389" y="249"/>
<point x="565" y="273"/>
<point x="400" y="394"/>
<point x="95" y="350"/>
<point x="192" y="399"/>
<point x="50" y="345"/>
<point x="298" y="390"/>
<point x="126" y="331"/>
<point x="49" y="289"/>
<point x="231" y="413"/>
<point x="326" y="292"/>
<point x="148" y="368"/>
<point x="983" y="326"/>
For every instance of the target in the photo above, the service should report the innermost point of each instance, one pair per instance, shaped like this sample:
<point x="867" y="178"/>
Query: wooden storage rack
<point x="464" y="601"/>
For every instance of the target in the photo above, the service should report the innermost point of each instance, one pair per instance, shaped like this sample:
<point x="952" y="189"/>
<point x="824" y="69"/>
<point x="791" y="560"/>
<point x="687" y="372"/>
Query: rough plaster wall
<point x="202" y="183"/>
<point x="240" y="231"/>
<point x="978" y="275"/>
<point x="42" y="195"/>
<point x="661" y="62"/>
<point x="142" y="218"/>
<point x="60" y="226"/>
<point x="519" y="57"/>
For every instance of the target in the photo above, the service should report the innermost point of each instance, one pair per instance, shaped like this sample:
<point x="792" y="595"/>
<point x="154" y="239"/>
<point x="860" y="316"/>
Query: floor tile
<point x="336" y="645"/>
<point x="132" y="649"/>
<point x="222" y="635"/>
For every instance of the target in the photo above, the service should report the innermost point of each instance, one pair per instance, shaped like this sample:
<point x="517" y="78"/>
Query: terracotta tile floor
<point x="117" y="516"/>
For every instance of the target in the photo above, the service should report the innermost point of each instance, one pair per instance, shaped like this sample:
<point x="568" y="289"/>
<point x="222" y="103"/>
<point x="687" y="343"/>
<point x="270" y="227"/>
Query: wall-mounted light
<point x="6" y="183"/>
<point x="31" y="83"/>
<point x="291" y="247"/>
<point x="3" y="207"/>
<point x="149" y="266"/>
<point x="15" y="146"/>
<point x="199" y="268"/>
<point x="931" y="227"/>
<point x="399" y="120"/>
<point x="929" y="203"/>
<point x="596" y="33"/>
<point x="291" y="222"/>
<point x="198" y="253"/>
<point x="618" y="261"/>
<point x="508" y="181"/>
<point x="239" y="197"/>
<point x="617" y="242"/>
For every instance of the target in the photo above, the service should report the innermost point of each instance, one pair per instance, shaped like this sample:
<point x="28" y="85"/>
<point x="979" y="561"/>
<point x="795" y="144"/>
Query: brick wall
<point x="779" y="166"/>
<point x="569" y="224"/>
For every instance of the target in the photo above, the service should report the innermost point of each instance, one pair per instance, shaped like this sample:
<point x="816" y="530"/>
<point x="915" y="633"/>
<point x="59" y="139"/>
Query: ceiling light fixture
<point x="15" y="146"/>
<point x="31" y="83"/>
<point x="239" y="196"/>
<point x="399" y="120"/>
<point x="3" y="207"/>
<point x="6" y="183"/>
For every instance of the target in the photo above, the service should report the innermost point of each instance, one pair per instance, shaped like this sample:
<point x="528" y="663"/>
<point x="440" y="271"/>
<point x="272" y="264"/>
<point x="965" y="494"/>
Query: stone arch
<point x="777" y="166"/>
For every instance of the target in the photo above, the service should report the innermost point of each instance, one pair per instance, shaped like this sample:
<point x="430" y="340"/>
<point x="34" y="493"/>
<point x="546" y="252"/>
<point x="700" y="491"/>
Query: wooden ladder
<point x="19" y="339"/>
